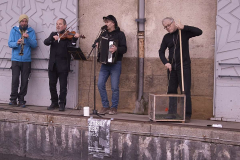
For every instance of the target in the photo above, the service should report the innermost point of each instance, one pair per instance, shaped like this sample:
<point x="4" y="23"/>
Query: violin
<point x="69" y="35"/>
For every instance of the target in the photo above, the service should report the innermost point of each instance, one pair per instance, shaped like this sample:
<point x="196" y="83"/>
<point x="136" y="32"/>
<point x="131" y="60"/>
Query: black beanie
<point x="112" y="18"/>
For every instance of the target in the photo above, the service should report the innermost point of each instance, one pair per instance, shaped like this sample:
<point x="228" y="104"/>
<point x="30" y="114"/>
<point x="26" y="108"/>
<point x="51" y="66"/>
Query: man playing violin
<point x="59" y="63"/>
<point x="22" y="39"/>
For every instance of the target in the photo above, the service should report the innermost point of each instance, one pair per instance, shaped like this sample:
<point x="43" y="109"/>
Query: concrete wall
<point x="199" y="13"/>
<point x="49" y="137"/>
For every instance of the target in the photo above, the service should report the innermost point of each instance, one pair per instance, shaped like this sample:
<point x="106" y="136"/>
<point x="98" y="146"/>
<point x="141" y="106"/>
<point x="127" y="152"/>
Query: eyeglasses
<point x="165" y="27"/>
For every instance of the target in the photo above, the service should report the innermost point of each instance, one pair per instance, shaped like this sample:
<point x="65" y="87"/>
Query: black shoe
<point x="12" y="102"/>
<point x="187" y="119"/>
<point x="61" y="107"/>
<point x="52" y="106"/>
<point x="22" y="104"/>
<point x="170" y="116"/>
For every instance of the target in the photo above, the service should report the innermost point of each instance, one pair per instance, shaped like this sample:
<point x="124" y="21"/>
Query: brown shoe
<point x="104" y="110"/>
<point x="113" y="111"/>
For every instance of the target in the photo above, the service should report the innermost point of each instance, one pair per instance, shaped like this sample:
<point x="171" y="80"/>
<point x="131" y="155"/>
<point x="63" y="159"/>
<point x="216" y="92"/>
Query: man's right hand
<point x="168" y="66"/>
<point x="112" y="49"/>
<point x="56" y="37"/>
<point x="19" y="41"/>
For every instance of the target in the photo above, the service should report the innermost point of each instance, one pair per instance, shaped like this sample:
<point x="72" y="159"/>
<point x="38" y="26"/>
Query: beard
<point x="23" y="28"/>
<point x="61" y="31"/>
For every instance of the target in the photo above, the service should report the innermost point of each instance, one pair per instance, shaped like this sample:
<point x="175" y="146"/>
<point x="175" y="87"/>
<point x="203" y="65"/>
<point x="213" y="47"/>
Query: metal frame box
<point x="167" y="107"/>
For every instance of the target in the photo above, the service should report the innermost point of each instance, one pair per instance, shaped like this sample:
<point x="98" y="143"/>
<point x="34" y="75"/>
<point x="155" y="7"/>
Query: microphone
<point x="104" y="27"/>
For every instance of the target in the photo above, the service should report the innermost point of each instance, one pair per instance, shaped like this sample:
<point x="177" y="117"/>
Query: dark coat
<point x="58" y="53"/>
<point x="171" y="40"/>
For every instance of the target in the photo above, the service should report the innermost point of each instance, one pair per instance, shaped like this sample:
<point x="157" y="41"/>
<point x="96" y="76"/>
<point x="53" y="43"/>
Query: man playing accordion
<point x="117" y="47"/>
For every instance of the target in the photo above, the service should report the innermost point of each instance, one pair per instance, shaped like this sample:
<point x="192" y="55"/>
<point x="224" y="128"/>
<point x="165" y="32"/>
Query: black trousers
<point x="23" y="69"/>
<point x="174" y="82"/>
<point x="54" y="75"/>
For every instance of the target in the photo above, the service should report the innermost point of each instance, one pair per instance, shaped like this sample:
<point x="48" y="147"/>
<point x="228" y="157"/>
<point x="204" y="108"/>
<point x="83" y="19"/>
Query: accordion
<point x="104" y="56"/>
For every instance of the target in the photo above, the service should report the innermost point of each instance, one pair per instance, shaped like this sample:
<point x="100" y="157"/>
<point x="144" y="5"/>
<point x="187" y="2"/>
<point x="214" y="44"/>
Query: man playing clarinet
<point x="22" y="40"/>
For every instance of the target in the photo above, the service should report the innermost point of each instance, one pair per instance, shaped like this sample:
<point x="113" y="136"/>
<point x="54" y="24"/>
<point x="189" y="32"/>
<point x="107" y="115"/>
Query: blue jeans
<point x="113" y="70"/>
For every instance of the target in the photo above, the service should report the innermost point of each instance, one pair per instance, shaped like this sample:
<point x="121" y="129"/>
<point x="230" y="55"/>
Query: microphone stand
<point x="94" y="72"/>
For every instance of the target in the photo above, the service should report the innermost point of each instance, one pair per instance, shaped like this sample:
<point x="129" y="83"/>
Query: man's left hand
<point x="113" y="49"/>
<point x="179" y="25"/>
<point x="76" y="35"/>
<point x="25" y="35"/>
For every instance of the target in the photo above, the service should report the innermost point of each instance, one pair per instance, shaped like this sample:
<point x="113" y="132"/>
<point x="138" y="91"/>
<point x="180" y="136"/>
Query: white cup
<point x="86" y="111"/>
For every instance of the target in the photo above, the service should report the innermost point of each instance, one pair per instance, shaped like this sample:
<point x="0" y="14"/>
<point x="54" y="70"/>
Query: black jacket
<point x="170" y="40"/>
<point x="120" y="37"/>
<point x="58" y="53"/>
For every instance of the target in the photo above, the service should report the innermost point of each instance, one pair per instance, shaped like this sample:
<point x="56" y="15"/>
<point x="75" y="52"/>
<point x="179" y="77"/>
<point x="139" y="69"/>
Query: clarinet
<point x="22" y="43"/>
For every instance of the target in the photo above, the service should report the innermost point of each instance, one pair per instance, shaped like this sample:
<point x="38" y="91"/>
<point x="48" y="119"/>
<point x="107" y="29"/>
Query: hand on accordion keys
<point x="112" y="49"/>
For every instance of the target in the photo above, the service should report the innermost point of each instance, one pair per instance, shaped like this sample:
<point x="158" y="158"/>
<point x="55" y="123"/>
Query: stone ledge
<point x="176" y="131"/>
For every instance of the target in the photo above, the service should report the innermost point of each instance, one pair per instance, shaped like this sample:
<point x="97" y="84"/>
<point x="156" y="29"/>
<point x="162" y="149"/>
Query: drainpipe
<point x="76" y="104"/>
<point x="139" y="108"/>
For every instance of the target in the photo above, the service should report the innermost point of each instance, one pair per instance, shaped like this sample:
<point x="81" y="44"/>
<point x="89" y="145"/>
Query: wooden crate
<point x="167" y="107"/>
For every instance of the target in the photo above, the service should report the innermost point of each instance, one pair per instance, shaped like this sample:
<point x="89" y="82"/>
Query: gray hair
<point x="64" y="21"/>
<point x="168" y="18"/>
